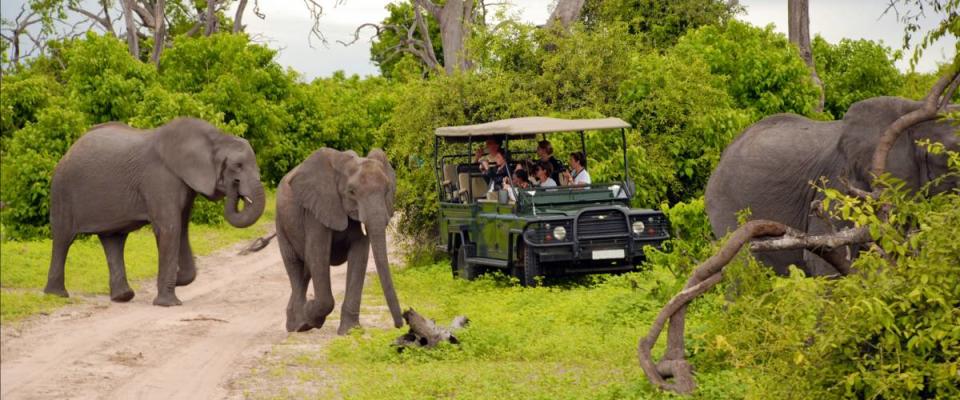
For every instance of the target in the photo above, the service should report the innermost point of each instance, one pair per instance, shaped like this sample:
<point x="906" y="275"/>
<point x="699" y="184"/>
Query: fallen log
<point x="424" y="332"/>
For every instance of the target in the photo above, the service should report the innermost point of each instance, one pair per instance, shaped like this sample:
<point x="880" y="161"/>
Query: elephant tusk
<point x="247" y="200"/>
<point x="363" y="228"/>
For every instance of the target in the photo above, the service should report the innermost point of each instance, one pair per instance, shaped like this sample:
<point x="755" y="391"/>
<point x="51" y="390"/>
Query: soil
<point x="231" y="318"/>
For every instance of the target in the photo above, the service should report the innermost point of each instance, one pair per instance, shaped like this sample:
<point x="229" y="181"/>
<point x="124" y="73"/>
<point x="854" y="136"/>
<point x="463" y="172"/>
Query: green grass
<point x="24" y="265"/>
<point x="572" y="340"/>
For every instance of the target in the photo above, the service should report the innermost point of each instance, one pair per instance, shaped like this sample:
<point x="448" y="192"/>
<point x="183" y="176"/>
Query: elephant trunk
<point x="251" y="211"/>
<point x="378" y="241"/>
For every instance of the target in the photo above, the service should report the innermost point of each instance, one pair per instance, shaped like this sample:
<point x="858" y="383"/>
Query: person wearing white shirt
<point x="578" y="175"/>
<point x="544" y="169"/>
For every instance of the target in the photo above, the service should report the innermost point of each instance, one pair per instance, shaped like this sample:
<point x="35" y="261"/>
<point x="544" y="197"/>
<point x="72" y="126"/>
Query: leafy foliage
<point x="659" y="22"/>
<point x="854" y="70"/>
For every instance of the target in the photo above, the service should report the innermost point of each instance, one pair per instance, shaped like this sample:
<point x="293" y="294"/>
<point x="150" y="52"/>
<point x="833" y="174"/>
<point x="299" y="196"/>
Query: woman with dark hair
<point x="545" y="152"/>
<point x="543" y="170"/>
<point x="579" y="175"/>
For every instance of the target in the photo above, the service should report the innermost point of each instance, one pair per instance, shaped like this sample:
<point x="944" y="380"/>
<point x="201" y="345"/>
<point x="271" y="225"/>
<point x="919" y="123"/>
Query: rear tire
<point x="463" y="268"/>
<point x="531" y="268"/>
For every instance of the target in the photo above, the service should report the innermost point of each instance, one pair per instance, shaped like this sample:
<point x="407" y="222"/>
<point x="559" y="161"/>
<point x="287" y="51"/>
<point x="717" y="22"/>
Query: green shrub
<point x="28" y="163"/>
<point x="854" y="70"/>
<point x="764" y="71"/>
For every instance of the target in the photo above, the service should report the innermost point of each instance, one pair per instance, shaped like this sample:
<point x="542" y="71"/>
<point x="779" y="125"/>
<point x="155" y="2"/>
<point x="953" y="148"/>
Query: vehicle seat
<point x="468" y="182"/>
<point x="450" y="184"/>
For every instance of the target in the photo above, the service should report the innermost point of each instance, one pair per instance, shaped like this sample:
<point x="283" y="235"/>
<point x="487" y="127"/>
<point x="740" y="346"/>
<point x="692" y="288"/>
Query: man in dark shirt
<point x="545" y="152"/>
<point x="495" y="174"/>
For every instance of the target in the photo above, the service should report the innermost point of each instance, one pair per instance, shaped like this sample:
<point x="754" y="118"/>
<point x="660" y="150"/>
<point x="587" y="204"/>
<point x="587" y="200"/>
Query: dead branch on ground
<point x="424" y="332"/>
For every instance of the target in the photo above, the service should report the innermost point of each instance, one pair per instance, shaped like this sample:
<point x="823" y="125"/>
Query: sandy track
<point x="231" y="315"/>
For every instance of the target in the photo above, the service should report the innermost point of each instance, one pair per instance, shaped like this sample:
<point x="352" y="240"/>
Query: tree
<point x="660" y="22"/>
<point x="798" y="27"/>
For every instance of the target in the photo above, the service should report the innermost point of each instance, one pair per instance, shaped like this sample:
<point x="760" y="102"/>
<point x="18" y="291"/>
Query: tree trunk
<point x="455" y="18"/>
<point x="237" y="24"/>
<point x="132" y="41"/>
<point x="798" y="27"/>
<point x="159" y="32"/>
<point x="566" y="12"/>
<point x="211" y="17"/>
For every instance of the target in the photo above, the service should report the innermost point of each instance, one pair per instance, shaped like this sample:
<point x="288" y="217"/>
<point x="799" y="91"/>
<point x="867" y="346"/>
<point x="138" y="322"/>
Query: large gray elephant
<point x="771" y="167"/>
<point x="116" y="179"/>
<point x="330" y="209"/>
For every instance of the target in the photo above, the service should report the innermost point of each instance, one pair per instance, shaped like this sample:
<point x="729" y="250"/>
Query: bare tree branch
<point x="932" y="103"/>
<point x="238" y="17"/>
<point x="159" y="34"/>
<point x="133" y="44"/>
<point x="210" y="18"/>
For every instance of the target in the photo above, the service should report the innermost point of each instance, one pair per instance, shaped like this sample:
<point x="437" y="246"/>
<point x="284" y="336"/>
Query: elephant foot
<point x="317" y="313"/>
<point x="298" y="326"/>
<point x="61" y="291"/>
<point x="186" y="276"/>
<point x="167" y="300"/>
<point x="122" y="295"/>
<point x="346" y="326"/>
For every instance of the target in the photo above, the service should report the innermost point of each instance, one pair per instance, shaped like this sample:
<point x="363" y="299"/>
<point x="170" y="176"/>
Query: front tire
<point x="531" y="269"/>
<point x="462" y="268"/>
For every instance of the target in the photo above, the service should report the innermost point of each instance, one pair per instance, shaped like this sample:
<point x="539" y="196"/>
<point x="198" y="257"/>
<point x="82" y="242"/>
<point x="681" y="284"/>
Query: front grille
<point x="601" y="223"/>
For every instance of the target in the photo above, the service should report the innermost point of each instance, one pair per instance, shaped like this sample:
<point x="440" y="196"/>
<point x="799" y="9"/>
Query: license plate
<point x="607" y="254"/>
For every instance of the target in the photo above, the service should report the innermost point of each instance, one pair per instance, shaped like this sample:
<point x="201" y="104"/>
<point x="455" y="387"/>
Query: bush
<point x="685" y="119"/>
<point x="764" y="71"/>
<point x="31" y="155"/>
<point x="854" y="70"/>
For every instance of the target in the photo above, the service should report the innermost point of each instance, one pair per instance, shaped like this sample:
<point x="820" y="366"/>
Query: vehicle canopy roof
<point x="527" y="127"/>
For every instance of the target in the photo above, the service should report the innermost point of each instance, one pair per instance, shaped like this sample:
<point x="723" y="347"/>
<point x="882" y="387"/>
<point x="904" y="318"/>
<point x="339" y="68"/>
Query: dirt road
<point x="231" y="315"/>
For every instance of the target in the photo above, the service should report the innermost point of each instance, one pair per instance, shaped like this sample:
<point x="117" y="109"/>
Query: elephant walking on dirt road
<point x="116" y="179"/>
<point x="331" y="209"/>
<point x="772" y="166"/>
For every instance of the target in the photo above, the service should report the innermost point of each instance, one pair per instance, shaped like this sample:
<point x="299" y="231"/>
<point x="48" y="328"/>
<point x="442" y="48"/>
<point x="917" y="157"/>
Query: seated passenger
<point x="579" y="176"/>
<point x="495" y="174"/>
<point x="486" y="160"/>
<point x="520" y="181"/>
<point x="543" y="170"/>
<point x="545" y="152"/>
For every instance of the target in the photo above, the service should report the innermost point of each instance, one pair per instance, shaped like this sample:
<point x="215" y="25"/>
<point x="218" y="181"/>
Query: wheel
<point x="465" y="270"/>
<point x="531" y="268"/>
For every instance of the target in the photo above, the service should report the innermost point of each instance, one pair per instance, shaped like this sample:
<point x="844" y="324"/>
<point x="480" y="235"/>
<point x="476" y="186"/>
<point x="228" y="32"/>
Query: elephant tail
<point x="258" y="244"/>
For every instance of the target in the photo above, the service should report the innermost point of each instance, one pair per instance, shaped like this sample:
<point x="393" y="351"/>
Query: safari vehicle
<point x="546" y="231"/>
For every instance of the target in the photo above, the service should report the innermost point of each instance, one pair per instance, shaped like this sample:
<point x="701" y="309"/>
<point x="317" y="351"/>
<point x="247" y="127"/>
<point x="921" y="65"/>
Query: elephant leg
<point x="299" y="279"/>
<point x="187" y="269"/>
<point x="318" y="262"/>
<point x="168" y="246"/>
<point x="356" y="271"/>
<point x="61" y="245"/>
<point x="113" y="248"/>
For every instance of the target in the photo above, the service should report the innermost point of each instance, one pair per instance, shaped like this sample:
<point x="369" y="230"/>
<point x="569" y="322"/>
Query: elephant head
<point x="342" y="186"/>
<point x="215" y="165"/>
<point x="866" y="120"/>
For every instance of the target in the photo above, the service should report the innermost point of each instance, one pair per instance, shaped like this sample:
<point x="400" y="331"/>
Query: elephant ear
<point x="186" y="148"/>
<point x="379" y="155"/>
<point x="317" y="184"/>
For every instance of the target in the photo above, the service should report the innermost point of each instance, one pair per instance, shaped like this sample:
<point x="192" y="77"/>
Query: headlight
<point x="560" y="233"/>
<point x="637" y="227"/>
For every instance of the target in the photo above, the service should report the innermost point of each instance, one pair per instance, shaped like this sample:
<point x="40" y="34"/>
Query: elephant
<point x="116" y="179"/>
<point x="771" y="169"/>
<point x="331" y="209"/>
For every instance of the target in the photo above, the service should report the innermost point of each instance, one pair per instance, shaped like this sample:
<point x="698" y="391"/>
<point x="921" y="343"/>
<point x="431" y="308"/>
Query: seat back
<point x="450" y="173"/>
<point x="479" y="186"/>
<point x="463" y="179"/>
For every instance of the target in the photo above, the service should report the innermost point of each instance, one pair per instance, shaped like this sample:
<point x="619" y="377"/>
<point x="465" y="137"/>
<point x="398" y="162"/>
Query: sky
<point x="287" y="25"/>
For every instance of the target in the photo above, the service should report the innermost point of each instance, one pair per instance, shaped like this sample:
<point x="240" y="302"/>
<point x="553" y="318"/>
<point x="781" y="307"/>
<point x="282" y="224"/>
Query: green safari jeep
<point x="536" y="232"/>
